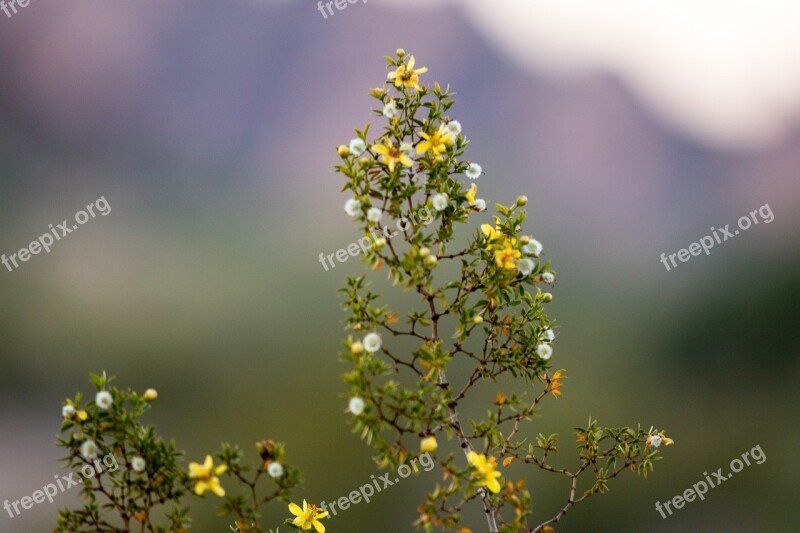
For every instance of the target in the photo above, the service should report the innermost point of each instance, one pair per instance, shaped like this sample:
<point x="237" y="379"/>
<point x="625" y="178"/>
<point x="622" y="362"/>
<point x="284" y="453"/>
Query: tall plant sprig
<point x="480" y="316"/>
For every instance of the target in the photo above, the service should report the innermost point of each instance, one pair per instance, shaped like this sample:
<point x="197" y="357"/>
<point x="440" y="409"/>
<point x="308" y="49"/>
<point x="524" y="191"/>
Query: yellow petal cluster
<point x="555" y="383"/>
<point x="504" y="249"/>
<point x="206" y="475"/>
<point x="391" y="155"/>
<point x="436" y="142"/>
<point x="307" y="517"/>
<point x="406" y="75"/>
<point x="486" y="470"/>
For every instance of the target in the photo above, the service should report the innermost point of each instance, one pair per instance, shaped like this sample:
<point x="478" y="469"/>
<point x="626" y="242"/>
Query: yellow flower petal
<point x="195" y="470"/>
<point x="471" y="194"/>
<point x="217" y="488"/>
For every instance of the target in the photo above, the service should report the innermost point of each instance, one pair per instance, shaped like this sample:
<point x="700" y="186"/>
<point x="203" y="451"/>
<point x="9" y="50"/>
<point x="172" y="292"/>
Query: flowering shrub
<point x="481" y="315"/>
<point x="148" y="475"/>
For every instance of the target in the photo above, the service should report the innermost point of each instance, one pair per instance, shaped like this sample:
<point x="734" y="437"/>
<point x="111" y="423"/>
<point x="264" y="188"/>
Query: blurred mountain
<point x="242" y="92"/>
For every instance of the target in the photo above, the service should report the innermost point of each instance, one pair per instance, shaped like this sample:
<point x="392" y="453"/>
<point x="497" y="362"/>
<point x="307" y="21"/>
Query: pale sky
<point x="726" y="72"/>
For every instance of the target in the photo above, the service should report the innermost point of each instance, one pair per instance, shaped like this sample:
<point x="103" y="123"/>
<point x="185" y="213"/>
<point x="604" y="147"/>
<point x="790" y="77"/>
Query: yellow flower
<point x="392" y="154"/>
<point x="436" y="142"/>
<point x="406" y="75"/>
<point x="555" y="383"/>
<point x="495" y="236"/>
<point x="308" y="516"/>
<point x="82" y="415"/>
<point x="507" y="256"/>
<point x="471" y="194"/>
<point x="206" y="476"/>
<point x="505" y="253"/>
<point x="486" y="470"/>
<point x="429" y="444"/>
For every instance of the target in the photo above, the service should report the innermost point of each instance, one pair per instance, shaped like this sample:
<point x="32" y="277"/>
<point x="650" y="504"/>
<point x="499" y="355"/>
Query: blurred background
<point x="210" y="129"/>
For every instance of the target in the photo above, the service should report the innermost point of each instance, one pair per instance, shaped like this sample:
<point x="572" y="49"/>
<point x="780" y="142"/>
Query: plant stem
<point x="491" y="517"/>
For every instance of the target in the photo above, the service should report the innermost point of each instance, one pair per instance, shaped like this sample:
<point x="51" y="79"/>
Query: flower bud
<point x="379" y="243"/>
<point x="266" y="449"/>
<point x="357" y="348"/>
<point x="424" y="252"/>
<point x="547" y="297"/>
<point x="428" y="444"/>
<point x="522" y="200"/>
<point x="400" y="52"/>
<point x="431" y="261"/>
<point x="343" y="150"/>
<point x="477" y="319"/>
<point x="525" y="239"/>
<point x="150" y="395"/>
